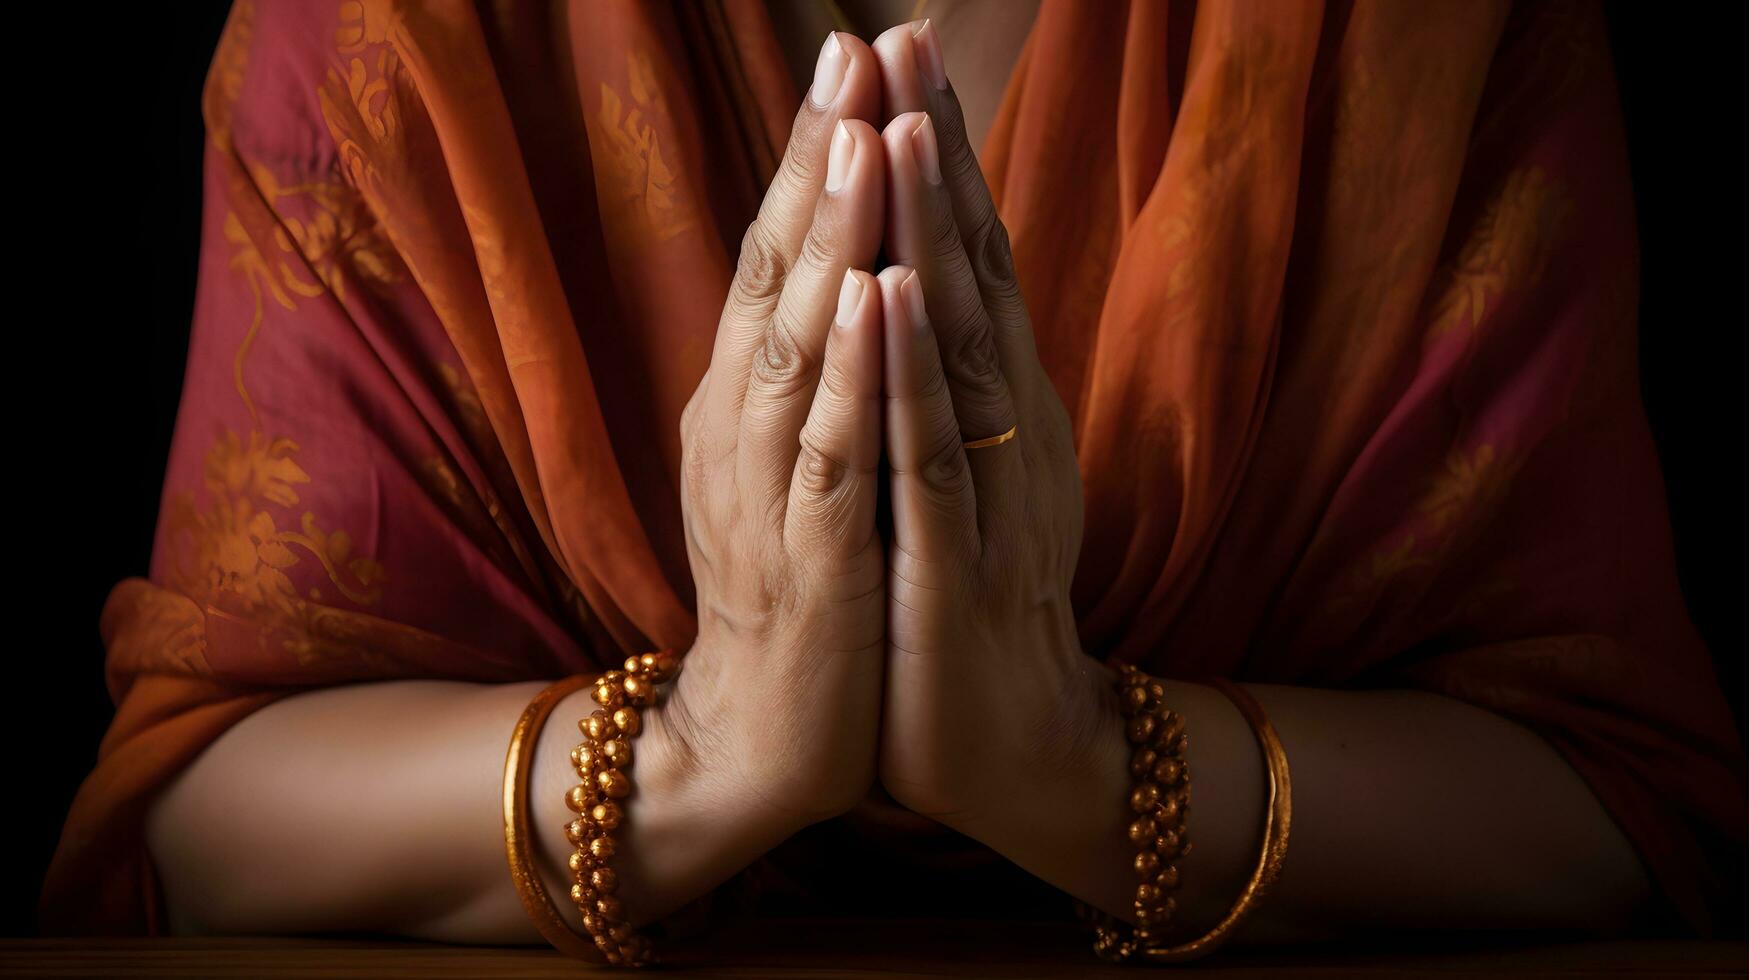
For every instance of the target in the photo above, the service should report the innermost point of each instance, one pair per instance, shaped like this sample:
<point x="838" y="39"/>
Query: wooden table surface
<point x="834" y="948"/>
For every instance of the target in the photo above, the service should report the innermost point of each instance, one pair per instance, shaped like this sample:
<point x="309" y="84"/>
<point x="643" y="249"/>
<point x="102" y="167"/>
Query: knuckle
<point x="781" y="367"/>
<point x="990" y="251"/>
<point x="761" y="269"/>
<point x="974" y="364"/>
<point x="944" y="468"/>
<point x="820" y="473"/>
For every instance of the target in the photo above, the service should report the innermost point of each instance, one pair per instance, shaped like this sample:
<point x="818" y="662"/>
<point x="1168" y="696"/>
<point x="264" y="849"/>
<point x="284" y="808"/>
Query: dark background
<point x="107" y="135"/>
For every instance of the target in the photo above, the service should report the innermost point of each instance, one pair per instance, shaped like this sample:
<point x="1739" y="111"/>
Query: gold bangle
<point x="1276" y="823"/>
<point x="519" y="840"/>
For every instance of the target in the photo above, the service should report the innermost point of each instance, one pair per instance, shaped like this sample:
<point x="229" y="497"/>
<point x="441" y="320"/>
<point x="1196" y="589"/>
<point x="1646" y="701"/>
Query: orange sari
<point x="1341" y="299"/>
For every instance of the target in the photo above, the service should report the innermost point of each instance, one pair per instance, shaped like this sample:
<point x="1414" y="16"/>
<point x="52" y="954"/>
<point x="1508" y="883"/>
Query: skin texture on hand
<point x="996" y="722"/>
<point x="780" y="446"/>
<point x="944" y="659"/>
<point x="984" y="540"/>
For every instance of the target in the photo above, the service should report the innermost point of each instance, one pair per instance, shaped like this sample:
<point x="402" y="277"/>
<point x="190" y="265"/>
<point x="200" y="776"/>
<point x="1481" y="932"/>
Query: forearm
<point x="1410" y="811"/>
<point x="379" y="808"/>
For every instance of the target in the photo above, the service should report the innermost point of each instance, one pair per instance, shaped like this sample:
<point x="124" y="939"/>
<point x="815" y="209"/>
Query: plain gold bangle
<point x="1276" y="823"/>
<point x="519" y="842"/>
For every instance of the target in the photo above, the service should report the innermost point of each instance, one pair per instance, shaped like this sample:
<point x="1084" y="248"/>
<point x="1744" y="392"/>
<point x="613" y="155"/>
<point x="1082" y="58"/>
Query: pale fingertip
<point x="840" y="157"/>
<point x="911" y="294"/>
<point x="924" y="148"/>
<point x="850" y="299"/>
<point x="929" y="58"/>
<point x="829" y="72"/>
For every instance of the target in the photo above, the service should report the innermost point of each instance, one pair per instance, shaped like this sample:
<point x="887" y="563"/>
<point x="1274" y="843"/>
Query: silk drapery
<point x="1340" y="297"/>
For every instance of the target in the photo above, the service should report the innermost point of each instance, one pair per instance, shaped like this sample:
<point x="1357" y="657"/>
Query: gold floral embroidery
<point x="1467" y="488"/>
<point x="225" y="78"/>
<point x="239" y="551"/>
<point x="1466" y="477"/>
<point x="361" y="25"/>
<point x="339" y="241"/>
<point x="358" y="100"/>
<point x="631" y="150"/>
<point x="1510" y="246"/>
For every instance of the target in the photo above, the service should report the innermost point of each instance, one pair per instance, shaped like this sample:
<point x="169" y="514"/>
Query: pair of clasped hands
<point x="940" y="658"/>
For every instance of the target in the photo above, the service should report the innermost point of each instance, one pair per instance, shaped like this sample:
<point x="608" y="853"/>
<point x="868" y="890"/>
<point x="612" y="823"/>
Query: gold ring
<point x="994" y="440"/>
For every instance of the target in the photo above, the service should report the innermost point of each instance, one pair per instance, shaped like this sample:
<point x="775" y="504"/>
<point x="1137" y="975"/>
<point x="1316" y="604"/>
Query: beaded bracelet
<point x="1160" y="799"/>
<point x="601" y="760"/>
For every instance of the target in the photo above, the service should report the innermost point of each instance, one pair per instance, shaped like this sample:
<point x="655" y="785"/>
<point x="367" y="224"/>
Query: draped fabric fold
<point x="1340" y="296"/>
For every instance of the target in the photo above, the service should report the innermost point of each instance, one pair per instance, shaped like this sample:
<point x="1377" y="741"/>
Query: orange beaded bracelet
<point x="1160" y="799"/>
<point x="601" y="760"/>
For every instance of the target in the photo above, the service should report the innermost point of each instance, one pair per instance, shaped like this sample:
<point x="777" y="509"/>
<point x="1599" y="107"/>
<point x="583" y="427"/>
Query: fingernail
<point x="924" y="149"/>
<point x="839" y="157"/>
<point x="928" y="48"/>
<point x="849" y="298"/>
<point x="911" y="291"/>
<point x="828" y="72"/>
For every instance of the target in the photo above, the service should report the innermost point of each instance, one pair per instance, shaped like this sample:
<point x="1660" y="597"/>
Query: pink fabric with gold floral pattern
<point x="1341" y="299"/>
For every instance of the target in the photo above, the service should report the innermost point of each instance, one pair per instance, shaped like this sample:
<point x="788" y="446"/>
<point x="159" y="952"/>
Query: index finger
<point x="846" y="86"/>
<point x="914" y="79"/>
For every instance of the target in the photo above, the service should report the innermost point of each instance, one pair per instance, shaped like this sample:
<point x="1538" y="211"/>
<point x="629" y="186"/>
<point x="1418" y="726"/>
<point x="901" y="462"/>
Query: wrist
<point x="685" y="829"/>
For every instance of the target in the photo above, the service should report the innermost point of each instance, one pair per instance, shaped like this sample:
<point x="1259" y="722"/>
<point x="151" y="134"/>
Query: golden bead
<point x="601" y="848"/>
<point x="660" y="667"/>
<point x="633" y="664"/>
<point x="1168" y="771"/>
<point x="599" y="726"/>
<point x="1152" y="915"/>
<point x="614" y="783"/>
<point x="1140" y="728"/>
<point x="577" y="831"/>
<point x="1142" y="761"/>
<point x="1167" y="879"/>
<point x="579" y="862"/>
<point x="605" y="815"/>
<point x="619" y="933"/>
<point x="639" y="690"/>
<point x="1144" y="797"/>
<point x="606" y="944"/>
<point x="626" y="720"/>
<point x="1132" y="676"/>
<point x="1169" y="733"/>
<point x="1156" y="691"/>
<point x="1168" y="811"/>
<point x="1133" y="699"/>
<point x="604" y="880"/>
<point x="1142" y="830"/>
<point x="579" y="798"/>
<point x="610" y="908"/>
<point x="1148" y="893"/>
<point x="582" y="894"/>
<point x="607" y="695"/>
<point x="592" y="922"/>
<point x="583" y="758"/>
<point x="617" y="752"/>
<point x="1147" y="863"/>
<point x="1169" y="844"/>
